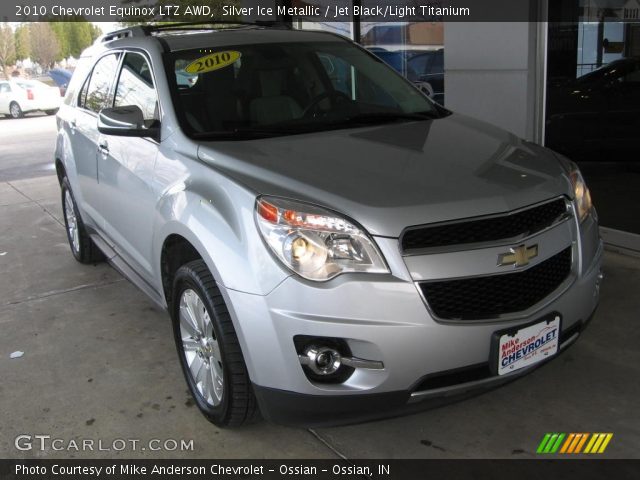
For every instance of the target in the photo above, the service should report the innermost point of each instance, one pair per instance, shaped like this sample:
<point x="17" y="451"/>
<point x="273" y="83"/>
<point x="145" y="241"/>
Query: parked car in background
<point x="429" y="67"/>
<point x="18" y="96"/>
<point x="61" y="77"/>
<point x="398" y="60"/>
<point x="597" y="116"/>
<point x="417" y="66"/>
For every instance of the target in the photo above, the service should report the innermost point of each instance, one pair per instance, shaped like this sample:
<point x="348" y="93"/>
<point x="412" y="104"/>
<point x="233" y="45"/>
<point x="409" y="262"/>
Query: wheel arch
<point x="176" y="251"/>
<point x="180" y="247"/>
<point x="61" y="171"/>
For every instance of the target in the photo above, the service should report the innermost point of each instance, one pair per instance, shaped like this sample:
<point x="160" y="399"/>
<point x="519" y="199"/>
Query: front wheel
<point x="15" y="111"/>
<point x="208" y="348"/>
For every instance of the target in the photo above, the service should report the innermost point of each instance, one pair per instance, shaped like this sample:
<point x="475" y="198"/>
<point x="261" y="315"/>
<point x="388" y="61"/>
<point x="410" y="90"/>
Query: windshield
<point x="288" y="88"/>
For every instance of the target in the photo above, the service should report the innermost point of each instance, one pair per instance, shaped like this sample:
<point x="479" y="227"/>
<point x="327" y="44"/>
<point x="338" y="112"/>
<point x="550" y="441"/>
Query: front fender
<point x="216" y="216"/>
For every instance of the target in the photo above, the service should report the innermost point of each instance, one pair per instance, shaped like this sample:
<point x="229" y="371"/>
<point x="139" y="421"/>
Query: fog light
<point x="322" y="360"/>
<point x="329" y="359"/>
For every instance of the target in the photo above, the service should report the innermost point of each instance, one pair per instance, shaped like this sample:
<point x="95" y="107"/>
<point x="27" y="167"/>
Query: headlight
<point x="315" y="243"/>
<point x="581" y="194"/>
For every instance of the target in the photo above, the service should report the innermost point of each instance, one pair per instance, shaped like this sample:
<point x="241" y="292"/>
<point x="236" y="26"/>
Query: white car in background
<point x="19" y="96"/>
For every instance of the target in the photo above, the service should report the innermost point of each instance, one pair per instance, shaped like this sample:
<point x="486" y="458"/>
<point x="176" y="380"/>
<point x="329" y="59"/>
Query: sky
<point x="107" y="26"/>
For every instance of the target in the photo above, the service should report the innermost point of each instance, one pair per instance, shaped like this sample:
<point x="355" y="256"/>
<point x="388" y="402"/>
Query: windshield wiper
<point x="384" y="117"/>
<point x="245" y="133"/>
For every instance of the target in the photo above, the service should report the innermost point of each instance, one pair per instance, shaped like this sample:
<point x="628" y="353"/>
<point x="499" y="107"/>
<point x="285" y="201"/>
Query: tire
<point x="15" y="111"/>
<point x="207" y="344"/>
<point x="82" y="247"/>
<point x="51" y="112"/>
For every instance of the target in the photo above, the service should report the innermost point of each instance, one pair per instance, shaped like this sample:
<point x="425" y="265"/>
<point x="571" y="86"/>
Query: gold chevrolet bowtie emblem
<point x="518" y="256"/>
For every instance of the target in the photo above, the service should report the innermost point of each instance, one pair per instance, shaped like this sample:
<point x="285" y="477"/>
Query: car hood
<point x="392" y="176"/>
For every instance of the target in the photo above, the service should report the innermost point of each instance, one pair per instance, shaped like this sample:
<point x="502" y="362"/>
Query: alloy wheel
<point x="201" y="348"/>
<point x="72" y="221"/>
<point x="15" y="110"/>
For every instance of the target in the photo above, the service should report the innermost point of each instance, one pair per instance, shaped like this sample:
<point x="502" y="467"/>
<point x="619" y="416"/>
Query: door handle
<point x="103" y="148"/>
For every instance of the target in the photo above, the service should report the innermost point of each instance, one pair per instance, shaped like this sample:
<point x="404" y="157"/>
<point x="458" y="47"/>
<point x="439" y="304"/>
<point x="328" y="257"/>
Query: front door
<point x="81" y="127"/>
<point x="126" y="169"/>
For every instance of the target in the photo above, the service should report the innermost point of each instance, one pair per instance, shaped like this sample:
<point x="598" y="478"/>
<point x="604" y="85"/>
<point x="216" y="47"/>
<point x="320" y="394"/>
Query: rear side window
<point x="4" y="88"/>
<point x="95" y="94"/>
<point x="135" y="87"/>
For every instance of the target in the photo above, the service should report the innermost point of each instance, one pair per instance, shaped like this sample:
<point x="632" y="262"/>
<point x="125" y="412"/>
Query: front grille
<point x="488" y="297"/>
<point x="510" y="225"/>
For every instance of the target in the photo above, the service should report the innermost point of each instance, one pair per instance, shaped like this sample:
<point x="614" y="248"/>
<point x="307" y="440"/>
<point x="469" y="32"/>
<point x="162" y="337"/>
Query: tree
<point x="44" y="44"/>
<point x="95" y="32"/>
<point x="23" y="42"/>
<point x="7" y="48"/>
<point x="61" y="31"/>
<point x="79" y="35"/>
<point x="74" y="36"/>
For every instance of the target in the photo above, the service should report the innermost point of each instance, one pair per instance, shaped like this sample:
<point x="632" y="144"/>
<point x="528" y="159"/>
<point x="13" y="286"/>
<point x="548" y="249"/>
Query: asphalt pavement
<point x="26" y="146"/>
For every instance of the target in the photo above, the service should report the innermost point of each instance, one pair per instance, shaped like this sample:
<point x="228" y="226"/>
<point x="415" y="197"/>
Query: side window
<point x="97" y="94"/>
<point x="135" y="87"/>
<point x="82" y="96"/>
<point x="4" y="88"/>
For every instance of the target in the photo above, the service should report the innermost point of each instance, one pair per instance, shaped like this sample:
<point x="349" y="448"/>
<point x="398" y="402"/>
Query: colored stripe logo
<point x="574" y="443"/>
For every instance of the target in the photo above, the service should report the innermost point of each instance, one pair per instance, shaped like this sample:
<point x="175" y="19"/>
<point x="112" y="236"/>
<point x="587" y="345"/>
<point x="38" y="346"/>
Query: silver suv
<point x="332" y="246"/>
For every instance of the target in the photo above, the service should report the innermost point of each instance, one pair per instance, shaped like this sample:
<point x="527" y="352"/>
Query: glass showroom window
<point x="345" y="28"/>
<point x="593" y="100"/>
<point x="414" y="49"/>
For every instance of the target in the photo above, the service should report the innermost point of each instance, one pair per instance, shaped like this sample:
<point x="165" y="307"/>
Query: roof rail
<point x="211" y="25"/>
<point x="137" y="31"/>
<point x="146" y="30"/>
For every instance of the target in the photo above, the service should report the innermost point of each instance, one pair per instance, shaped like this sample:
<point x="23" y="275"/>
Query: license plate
<point x="527" y="346"/>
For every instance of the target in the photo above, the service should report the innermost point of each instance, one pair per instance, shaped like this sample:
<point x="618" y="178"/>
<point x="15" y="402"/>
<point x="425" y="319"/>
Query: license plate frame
<point x="508" y="342"/>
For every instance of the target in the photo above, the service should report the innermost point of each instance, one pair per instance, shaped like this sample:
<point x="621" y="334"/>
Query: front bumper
<point x="296" y="409"/>
<point x="383" y="318"/>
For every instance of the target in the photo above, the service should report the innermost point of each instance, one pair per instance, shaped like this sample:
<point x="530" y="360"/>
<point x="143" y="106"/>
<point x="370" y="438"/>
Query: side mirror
<point x="126" y="121"/>
<point x="425" y="87"/>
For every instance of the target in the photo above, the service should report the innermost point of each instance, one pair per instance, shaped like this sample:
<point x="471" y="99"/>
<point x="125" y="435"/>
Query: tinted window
<point x="135" y="86"/>
<point x="289" y="88"/>
<point x="97" y="95"/>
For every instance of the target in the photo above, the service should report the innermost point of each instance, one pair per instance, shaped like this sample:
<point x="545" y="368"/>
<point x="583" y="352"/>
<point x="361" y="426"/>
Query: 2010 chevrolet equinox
<point x="332" y="245"/>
